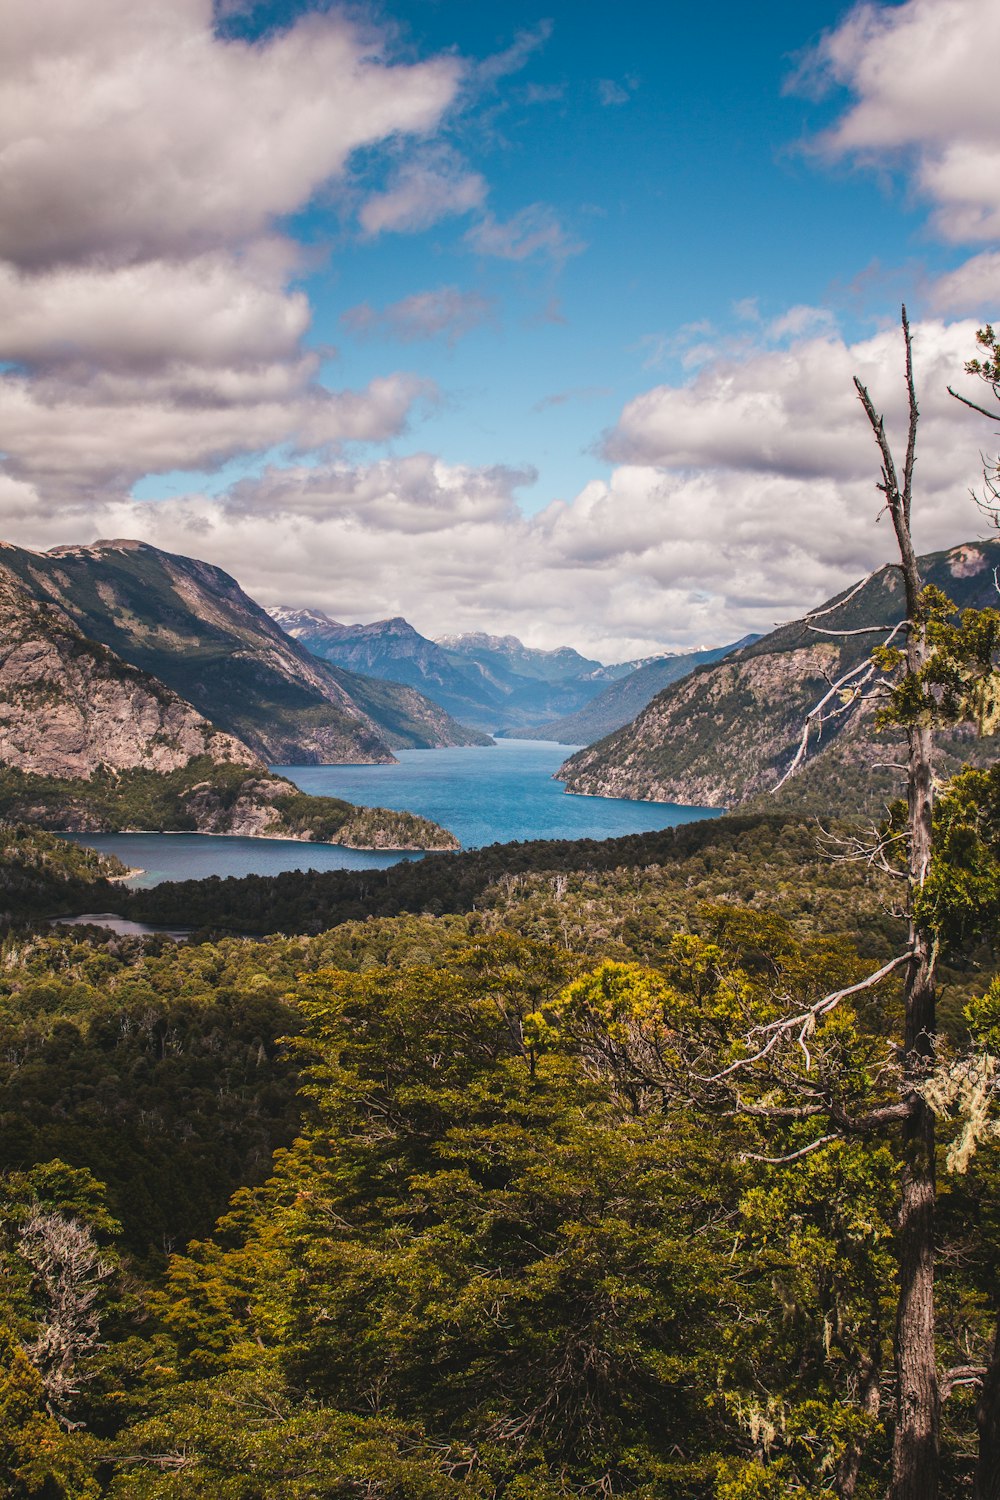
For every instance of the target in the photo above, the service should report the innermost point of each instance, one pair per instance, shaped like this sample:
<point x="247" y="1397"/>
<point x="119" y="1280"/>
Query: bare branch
<point x="890" y="484"/>
<point x="864" y="667"/>
<point x="993" y="416"/>
<point x="781" y="1112"/>
<point x="865" y="629"/>
<point x="911" y="438"/>
<point x="961" y="1375"/>
<point x="779" y="1161"/>
<point x="888" y="1114"/>
<point x="804" y="1022"/>
<point x="818" y="614"/>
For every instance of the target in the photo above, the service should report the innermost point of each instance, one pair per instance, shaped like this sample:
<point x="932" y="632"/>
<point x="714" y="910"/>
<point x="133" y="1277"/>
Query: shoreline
<point x="276" y="838"/>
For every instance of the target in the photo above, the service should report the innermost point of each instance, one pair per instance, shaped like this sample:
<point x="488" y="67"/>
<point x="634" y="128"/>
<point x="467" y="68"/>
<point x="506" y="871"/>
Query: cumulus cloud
<point x="73" y="439"/>
<point x="446" y="310"/>
<point x="920" y="95"/>
<point x="737" y="500"/>
<point x="129" y="128"/>
<point x="217" y="308"/>
<point x="793" y="411"/>
<point x="972" y="288"/>
<point x="148" y="314"/>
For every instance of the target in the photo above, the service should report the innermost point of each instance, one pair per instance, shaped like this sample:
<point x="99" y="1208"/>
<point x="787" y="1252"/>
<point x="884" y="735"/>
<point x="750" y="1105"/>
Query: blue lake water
<point x="193" y="856"/>
<point x="483" y="795"/>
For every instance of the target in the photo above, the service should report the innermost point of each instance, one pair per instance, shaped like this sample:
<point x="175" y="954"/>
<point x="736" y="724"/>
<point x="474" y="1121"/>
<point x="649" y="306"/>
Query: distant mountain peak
<point x="480" y="640"/>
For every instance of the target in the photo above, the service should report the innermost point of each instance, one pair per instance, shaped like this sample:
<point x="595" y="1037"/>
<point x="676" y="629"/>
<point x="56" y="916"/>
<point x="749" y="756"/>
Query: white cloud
<point x="129" y="129"/>
<point x="73" y="439"/>
<point x="972" y="288"/>
<point x="610" y="93"/>
<point x="446" y="310"/>
<point x="431" y="186"/>
<point x="147" y="303"/>
<point x="793" y="411"/>
<point x="921" y="94"/>
<point x="525" y="44"/>
<point x="535" y="230"/>
<point x="217" y="308"/>
<point x="747" y="496"/>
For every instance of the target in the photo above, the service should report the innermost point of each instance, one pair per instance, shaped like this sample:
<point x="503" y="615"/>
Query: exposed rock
<point x="192" y="626"/>
<point x="726" y="734"/>
<point x="90" y="743"/>
<point x="68" y="706"/>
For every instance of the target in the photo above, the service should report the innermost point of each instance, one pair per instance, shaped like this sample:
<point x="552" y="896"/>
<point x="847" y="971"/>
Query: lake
<point x="484" y="795"/>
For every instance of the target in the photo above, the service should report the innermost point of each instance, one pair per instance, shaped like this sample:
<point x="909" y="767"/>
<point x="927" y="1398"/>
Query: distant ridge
<point x="493" y="682"/>
<point x="620" y="701"/>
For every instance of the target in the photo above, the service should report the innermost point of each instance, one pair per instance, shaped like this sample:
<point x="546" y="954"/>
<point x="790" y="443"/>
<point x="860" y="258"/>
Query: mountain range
<point x="495" y="682"/>
<point x="724" y="735"/>
<point x="621" y="701"/>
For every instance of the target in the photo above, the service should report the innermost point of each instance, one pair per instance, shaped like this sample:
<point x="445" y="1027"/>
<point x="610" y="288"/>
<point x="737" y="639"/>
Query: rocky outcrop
<point x="712" y="740"/>
<point x="270" y="807"/>
<point x="725" y="735"/>
<point x="68" y="706"/>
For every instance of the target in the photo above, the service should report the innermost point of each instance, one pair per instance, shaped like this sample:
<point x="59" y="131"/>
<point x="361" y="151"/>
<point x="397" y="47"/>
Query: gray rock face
<point x="712" y="740"/>
<point x="69" y="706"/>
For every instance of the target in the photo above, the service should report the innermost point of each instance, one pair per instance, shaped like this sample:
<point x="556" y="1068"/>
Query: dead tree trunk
<point x="916" y="1441"/>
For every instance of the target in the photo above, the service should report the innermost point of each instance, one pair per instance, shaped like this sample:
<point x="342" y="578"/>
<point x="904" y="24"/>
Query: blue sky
<point x="536" y="318"/>
<point x="671" y="145"/>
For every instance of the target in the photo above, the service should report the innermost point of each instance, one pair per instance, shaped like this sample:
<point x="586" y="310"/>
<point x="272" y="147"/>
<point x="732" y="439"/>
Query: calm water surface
<point x="484" y="795"/>
<point x="491" y="795"/>
<point x="193" y="856"/>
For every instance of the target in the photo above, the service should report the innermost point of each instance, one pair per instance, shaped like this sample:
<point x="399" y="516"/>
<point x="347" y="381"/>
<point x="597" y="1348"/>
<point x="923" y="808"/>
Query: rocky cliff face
<point x="725" y="735"/>
<point x="192" y="626"/>
<point x="67" y="706"/>
<point x="90" y="743"/>
<point x="712" y="740"/>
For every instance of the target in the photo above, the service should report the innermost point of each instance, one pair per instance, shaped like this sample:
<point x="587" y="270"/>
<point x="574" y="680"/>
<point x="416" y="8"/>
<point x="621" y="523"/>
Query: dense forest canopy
<point x="504" y="1247"/>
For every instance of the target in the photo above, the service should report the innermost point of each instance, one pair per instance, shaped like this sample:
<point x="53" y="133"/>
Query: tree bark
<point x="916" y="1441"/>
<point x="915" y="1451"/>
<point x="986" y="1485"/>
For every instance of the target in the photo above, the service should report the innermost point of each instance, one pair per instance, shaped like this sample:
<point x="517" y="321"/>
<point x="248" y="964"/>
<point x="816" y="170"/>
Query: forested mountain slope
<point x="41" y="875"/>
<point x="727" y="733"/>
<point x="493" y="1199"/>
